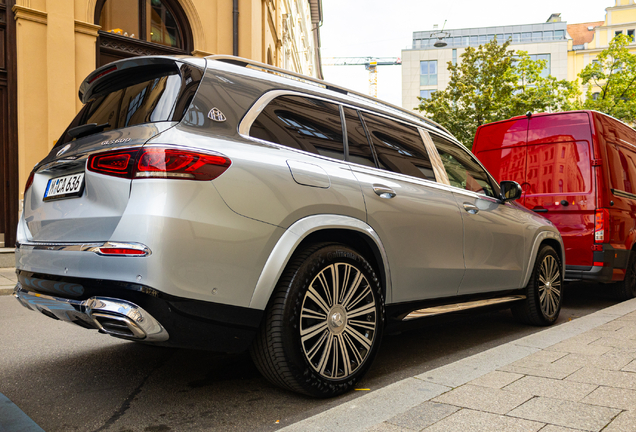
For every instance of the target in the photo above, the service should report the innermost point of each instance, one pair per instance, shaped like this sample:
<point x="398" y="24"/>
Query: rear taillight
<point x="29" y="182"/>
<point x="601" y="226"/>
<point x="120" y="251"/>
<point x="159" y="162"/>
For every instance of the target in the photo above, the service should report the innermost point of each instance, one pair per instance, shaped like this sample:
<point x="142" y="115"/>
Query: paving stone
<point x="605" y="377"/>
<point x="553" y="428"/>
<point x="625" y="422"/>
<point x="615" y="343"/>
<point x="483" y="399"/>
<point x="539" y="359"/>
<point x="423" y="415"/>
<point x="547" y="387"/>
<point x="571" y="346"/>
<point x="477" y="421"/>
<point x="387" y="427"/>
<point x="565" y="413"/>
<point x="630" y="367"/>
<point x="496" y="379"/>
<point x="612" y="397"/>
<point x="547" y="370"/>
<point x="612" y="326"/>
<point x="615" y="359"/>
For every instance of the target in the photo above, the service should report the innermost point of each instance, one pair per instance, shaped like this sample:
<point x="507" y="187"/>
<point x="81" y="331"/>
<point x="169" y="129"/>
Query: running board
<point x="438" y="310"/>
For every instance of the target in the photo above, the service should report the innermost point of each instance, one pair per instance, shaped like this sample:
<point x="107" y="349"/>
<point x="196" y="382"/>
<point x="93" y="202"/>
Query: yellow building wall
<point x="57" y="49"/>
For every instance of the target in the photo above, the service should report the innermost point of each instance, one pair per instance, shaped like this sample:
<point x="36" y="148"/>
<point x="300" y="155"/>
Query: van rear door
<point x="559" y="177"/>
<point x="501" y="148"/>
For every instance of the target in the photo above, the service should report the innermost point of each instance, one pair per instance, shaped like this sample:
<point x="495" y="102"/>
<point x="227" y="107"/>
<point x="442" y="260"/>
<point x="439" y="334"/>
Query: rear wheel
<point x="626" y="289"/>
<point x="324" y="322"/>
<point x="544" y="292"/>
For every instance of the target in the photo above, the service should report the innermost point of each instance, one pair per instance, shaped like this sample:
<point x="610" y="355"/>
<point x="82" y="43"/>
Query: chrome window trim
<point x="438" y="166"/>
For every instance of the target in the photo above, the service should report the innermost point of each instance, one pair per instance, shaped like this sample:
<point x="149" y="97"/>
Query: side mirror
<point x="510" y="190"/>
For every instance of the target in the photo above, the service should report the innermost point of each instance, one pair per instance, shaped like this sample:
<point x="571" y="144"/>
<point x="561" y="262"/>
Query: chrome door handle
<point x="383" y="191"/>
<point x="470" y="208"/>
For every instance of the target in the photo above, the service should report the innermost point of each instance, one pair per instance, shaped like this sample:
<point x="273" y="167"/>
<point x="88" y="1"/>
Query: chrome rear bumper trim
<point x="438" y="310"/>
<point x="85" y="247"/>
<point x="115" y="317"/>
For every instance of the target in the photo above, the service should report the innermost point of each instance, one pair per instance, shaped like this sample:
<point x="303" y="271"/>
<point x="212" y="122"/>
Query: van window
<point x="399" y="147"/>
<point x="462" y="169"/>
<point x="559" y="168"/>
<point x="622" y="164"/>
<point x="302" y="123"/>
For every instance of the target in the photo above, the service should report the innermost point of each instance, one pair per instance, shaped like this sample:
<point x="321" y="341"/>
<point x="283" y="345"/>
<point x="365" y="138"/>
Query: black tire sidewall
<point x="313" y="382"/>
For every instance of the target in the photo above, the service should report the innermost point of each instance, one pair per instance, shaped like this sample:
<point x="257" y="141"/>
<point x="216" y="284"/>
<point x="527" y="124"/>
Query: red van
<point x="578" y="169"/>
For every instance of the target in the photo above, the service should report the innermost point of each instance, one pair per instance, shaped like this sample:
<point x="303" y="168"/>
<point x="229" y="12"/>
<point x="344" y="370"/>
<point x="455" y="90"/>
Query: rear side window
<point x="302" y="123"/>
<point x="134" y="97"/>
<point x="399" y="147"/>
<point x="462" y="169"/>
<point x="622" y="163"/>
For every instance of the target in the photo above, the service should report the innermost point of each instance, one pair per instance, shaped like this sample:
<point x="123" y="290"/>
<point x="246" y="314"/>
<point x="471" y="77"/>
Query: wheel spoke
<point x="542" y="279"/>
<point x="362" y="310"/>
<point x="363" y="324"/>
<point x="346" y="362"/>
<point x="312" y="331"/>
<point x="352" y="290"/>
<point x="345" y="283"/>
<point x="335" y="282"/>
<point x="363" y="293"/>
<point x="314" y="349"/>
<point x="312" y="314"/>
<point x="325" y="285"/>
<point x="313" y="294"/>
<point x="357" y="336"/>
<point x="325" y="354"/>
<point x="352" y="348"/>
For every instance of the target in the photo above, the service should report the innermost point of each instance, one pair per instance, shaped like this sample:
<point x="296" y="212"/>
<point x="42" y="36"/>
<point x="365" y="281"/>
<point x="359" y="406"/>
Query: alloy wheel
<point x="338" y="321"/>
<point x="549" y="286"/>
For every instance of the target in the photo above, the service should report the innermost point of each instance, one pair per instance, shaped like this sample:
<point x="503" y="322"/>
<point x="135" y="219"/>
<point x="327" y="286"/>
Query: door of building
<point x="8" y="127"/>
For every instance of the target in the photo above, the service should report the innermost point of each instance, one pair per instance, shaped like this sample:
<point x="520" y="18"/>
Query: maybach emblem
<point x="115" y="141"/>
<point x="216" y="115"/>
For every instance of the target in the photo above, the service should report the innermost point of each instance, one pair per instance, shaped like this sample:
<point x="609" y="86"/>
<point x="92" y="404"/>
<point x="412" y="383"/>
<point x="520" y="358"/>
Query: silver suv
<point x="228" y="205"/>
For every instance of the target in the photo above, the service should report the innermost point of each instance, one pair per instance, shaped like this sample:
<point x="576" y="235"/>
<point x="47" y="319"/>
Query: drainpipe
<point x="235" y="13"/>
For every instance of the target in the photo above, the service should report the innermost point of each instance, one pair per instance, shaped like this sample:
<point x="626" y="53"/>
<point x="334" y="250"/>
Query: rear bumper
<point x="138" y="312"/>
<point x="614" y="262"/>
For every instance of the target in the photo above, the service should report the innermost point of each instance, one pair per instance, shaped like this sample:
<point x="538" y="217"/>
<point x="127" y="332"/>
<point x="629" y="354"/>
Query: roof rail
<point x="239" y="61"/>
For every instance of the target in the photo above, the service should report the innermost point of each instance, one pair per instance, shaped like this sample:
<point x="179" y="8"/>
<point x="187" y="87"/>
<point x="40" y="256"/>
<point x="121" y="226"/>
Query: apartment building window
<point x="454" y="57"/>
<point x="526" y="36"/>
<point x="618" y="32"/>
<point x="546" y="70"/>
<point x="630" y="33"/>
<point x="428" y="72"/>
<point x="537" y="36"/>
<point x="426" y="94"/>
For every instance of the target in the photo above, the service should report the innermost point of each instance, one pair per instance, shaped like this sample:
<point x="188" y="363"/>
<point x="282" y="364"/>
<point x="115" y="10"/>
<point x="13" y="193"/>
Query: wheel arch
<point x="320" y="228"/>
<point x="549" y="238"/>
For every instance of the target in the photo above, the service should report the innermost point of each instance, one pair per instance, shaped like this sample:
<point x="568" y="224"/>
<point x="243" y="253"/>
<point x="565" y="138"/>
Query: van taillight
<point x="601" y="226"/>
<point x="159" y="162"/>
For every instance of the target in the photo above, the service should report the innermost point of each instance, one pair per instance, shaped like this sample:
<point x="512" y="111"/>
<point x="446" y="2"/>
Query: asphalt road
<point x="70" y="379"/>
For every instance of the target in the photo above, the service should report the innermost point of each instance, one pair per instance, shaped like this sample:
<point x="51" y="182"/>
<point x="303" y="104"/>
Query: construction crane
<point x="370" y="63"/>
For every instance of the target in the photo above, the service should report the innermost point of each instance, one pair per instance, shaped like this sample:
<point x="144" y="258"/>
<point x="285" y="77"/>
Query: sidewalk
<point x="578" y="376"/>
<point x="7" y="280"/>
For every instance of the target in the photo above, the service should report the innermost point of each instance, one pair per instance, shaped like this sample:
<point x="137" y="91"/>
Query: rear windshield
<point x="136" y="96"/>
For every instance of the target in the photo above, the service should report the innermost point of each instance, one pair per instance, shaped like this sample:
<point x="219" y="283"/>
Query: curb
<point x="380" y="405"/>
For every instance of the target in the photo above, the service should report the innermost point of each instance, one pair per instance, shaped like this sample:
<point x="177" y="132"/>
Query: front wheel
<point x="544" y="292"/>
<point x="323" y="324"/>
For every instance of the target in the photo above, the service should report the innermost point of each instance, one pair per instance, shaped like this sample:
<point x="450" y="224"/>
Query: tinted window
<point x="359" y="149"/>
<point x="622" y="168"/>
<point x="399" y="147"/>
<point x="462" y="169"/>
<point x="140" y="96"/>
<point x="302" y="123"/>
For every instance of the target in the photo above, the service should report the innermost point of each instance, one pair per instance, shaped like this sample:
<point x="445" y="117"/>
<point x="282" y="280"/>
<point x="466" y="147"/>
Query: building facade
<point x="424" y="67"/>
<point x="49" y="47"/>
<point x="587" y="40"/>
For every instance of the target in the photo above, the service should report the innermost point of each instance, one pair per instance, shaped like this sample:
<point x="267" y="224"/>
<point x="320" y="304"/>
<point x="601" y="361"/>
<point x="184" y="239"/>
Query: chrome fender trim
<point x="541" y="236"/>
<point x="290" y="240"/>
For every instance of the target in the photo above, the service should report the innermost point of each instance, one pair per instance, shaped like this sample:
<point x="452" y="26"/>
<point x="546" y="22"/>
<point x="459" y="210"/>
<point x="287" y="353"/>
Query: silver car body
<point x="226" y="242"/>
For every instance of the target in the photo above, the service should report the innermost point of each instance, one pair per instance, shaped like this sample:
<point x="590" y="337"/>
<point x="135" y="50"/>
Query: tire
<point x="626" y="289"/>
<point x="311" y="344"/>
<point x="544" y="292"/>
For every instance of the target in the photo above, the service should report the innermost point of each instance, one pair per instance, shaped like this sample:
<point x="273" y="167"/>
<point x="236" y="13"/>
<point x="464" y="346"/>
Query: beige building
<point x="52" y="45"/>
<point x="589" y="39"/>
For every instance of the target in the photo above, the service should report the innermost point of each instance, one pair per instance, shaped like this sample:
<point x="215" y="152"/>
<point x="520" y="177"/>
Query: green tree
<point x="613" y="76"/>
<point x="492" y="83"/>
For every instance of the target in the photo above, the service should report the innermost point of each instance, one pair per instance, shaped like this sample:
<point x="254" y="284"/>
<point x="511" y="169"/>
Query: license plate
<point x="69" y="186"/>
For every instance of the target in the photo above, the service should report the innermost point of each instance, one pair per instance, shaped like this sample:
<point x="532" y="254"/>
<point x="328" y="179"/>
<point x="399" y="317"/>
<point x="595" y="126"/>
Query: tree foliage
<point x="492" y="83"/>
<point x="613" y="76"/>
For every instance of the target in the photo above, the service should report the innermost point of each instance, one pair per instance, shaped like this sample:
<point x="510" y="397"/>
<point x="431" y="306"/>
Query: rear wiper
<point x="87" y="129"/>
